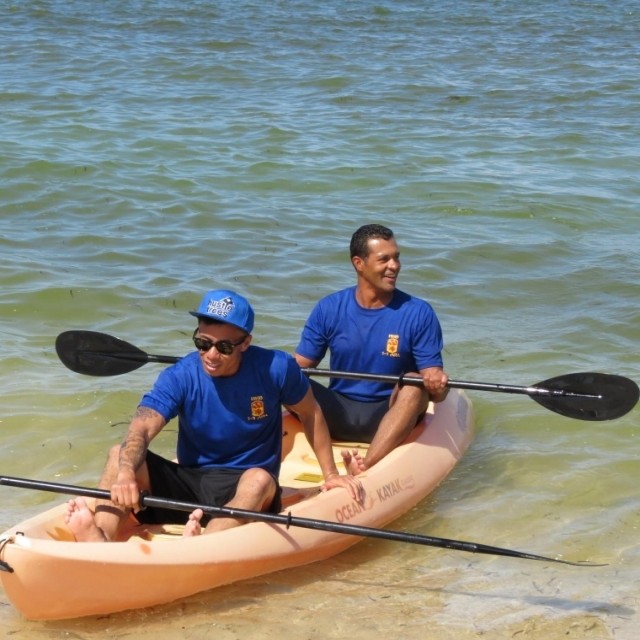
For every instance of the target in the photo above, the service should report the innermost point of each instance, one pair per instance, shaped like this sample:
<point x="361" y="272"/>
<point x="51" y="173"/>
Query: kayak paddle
<point x="288" y="520"/>
<point x="584" y="396"/>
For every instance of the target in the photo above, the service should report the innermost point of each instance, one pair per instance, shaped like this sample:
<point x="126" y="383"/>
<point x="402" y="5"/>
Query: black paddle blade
<point x="98" y="354"/>
<point x="589" y="396"/>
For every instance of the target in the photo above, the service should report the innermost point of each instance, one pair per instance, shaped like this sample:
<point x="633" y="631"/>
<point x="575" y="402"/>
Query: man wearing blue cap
<point x="228" y="397"/>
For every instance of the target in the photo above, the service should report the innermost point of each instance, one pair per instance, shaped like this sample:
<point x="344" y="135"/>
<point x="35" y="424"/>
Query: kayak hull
<point x="53" y="577"/>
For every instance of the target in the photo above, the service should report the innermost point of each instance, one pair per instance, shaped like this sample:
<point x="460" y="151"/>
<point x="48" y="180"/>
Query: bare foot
<point x="80" y="520"/>
<point x="353" y="462"/>
<point x="193" y="527"/>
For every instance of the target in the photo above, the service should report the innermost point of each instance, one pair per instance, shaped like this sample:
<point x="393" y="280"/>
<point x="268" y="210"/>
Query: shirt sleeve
<point x="165" y="396"/>
<point x="428" y="341"/>
<point x="313" y="340"/>
<point x="295" y="384"/>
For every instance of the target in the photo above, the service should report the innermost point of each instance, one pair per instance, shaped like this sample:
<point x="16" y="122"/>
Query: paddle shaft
<point x="454" y="384"/>
<point x="288" y="520"/>
<point x="374" y="377"/>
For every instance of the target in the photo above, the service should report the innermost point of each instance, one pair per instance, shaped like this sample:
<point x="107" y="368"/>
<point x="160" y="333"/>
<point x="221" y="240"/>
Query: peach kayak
<point x="49" y="576"/>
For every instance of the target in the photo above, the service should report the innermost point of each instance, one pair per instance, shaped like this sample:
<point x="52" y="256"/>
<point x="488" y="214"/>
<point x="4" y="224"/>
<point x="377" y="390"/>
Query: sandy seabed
<point x="348" y="596"/>
<point x="192" y="621"/>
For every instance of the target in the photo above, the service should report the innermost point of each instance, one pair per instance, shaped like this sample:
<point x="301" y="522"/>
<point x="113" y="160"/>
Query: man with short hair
<point x="373" y="327"/>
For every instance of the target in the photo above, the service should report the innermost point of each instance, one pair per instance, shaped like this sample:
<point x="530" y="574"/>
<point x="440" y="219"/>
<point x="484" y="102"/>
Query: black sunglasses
<point x="225" y="347"/>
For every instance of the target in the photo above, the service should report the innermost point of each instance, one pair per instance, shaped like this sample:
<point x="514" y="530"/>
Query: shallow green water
<point x="153" y="150"/>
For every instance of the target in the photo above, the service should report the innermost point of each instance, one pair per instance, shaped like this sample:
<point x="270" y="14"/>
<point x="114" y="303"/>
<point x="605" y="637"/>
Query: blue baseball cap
<point x="226" y="306"/>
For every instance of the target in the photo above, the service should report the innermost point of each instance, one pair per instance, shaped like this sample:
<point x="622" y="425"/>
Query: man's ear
<point x="245" y="345"/>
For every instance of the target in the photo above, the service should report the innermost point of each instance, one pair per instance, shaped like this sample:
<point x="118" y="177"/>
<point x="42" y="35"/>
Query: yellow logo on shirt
<point x="257" y="407"/>
<point x="393" y="343"/>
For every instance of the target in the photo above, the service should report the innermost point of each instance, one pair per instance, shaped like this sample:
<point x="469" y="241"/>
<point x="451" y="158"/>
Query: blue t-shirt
<point x="404" y="336"/>
<point x="232" y="422"/>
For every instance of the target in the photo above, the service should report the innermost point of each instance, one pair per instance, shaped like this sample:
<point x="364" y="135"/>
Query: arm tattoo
<point x="134" y="445"/>
<point x="144" y="412"/>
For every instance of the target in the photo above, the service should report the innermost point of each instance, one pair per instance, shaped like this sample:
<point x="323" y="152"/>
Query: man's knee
<point x="258" y="479"/>
<point x="416" y="398"/>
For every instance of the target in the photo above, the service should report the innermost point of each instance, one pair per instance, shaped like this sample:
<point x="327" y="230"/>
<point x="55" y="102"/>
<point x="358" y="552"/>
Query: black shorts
<point x="205" y="486"/>
<point x="349" y="420"/>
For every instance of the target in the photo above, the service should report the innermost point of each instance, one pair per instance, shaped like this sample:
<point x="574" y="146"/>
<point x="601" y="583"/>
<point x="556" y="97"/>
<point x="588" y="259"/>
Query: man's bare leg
<point x="406" y="405"/>
<point x="255" y="492"/>
<point x="108" y="518"/>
